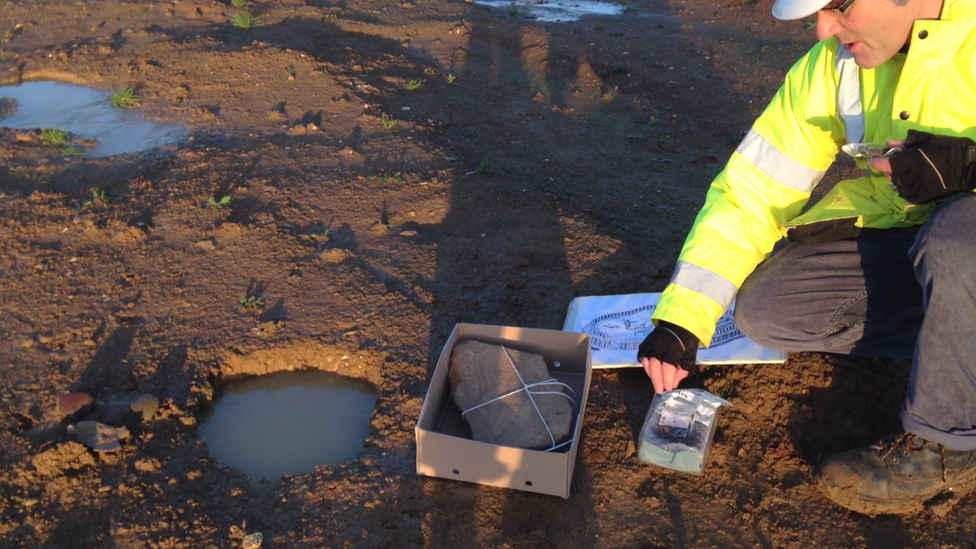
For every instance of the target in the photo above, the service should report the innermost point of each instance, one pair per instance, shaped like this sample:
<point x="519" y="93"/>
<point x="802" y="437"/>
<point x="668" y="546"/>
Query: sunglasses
<point x="838" y="5"/>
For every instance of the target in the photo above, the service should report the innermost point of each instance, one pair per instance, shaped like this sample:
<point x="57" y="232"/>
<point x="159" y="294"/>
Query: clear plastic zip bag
<point x="679" y="428"/>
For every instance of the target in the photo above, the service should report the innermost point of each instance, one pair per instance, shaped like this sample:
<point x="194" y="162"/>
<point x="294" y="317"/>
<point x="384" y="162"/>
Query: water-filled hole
<point x="288" y="422"/>
<point x="555" y="11"/>
<point x="84" y="112"/>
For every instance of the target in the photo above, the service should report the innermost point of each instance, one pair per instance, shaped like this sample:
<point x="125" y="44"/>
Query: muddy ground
<point x="535" y="162"/>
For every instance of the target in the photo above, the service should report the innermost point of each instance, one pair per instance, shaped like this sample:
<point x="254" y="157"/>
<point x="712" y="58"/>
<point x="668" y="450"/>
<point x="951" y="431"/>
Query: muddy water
<point x="84" y="112"/>
<point x="555" y="11"/>
<point x="288" y="422"/>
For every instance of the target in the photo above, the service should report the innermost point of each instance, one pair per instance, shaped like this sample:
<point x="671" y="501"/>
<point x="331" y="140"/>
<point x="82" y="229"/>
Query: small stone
<point x="98" y="436"/>
<point x="408" y="232"/>
<point x="631" y="448"/>
<point x="147" y="405"/>
<point x="73" y="403"/>
<point x="252" y="541"/>
<point x="597" y="456"/>
<point x="146" y="465"/>
<point x="205" y="245"/>
<point x="23" y="137"/>
<point x="806" y="411"/>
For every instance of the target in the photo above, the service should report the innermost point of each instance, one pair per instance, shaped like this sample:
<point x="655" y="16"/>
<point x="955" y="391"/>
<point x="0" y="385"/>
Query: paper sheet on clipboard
<point x="617" y="324"/>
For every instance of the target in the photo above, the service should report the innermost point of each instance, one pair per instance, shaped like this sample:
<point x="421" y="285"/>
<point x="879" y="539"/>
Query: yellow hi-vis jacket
<point x="825" y="102"/>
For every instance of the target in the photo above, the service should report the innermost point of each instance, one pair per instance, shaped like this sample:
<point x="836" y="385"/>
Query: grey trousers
<point x="894" y="293"/>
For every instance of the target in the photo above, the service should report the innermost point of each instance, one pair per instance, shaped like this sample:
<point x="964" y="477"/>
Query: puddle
<point x="288" y="423"/>
<point x="555" y="11"/>
<point x="84" y="112"/>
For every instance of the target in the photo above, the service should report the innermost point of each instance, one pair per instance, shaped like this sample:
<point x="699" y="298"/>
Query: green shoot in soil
<point x="54" y="137"/>
<point x="324" y="235"/>
<point x="483" y="168"/>
<point x="618" y="225"/>
<point x="451" y="79"/>
<point x="238" y="3"/>
<point x="251" y="303"/>
<point x="388" y="121"/>
<point x="124" y="98"/>
<point x="413" y="84"/>
<point x="243" y="20"/>
<point x="212" y="202"/>
<point x="98" y="197"/>
<point x="514" y="10"/>
<point x="71" y="151"/>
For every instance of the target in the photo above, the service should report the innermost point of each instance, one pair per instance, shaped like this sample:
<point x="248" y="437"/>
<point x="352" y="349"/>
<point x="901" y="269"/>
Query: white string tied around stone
<point x="527" y="387"/>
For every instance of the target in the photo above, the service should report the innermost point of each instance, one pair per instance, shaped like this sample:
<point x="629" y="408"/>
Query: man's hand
<point x="929" y="167"/>
<point x="668" y="355"/>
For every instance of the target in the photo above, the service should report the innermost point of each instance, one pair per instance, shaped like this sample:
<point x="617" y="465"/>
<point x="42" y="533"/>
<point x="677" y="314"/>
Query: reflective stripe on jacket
<point x="757" y="199"/>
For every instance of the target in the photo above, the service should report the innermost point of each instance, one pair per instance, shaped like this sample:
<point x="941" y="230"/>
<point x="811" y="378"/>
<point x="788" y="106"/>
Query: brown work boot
<point x="896" y="475"/>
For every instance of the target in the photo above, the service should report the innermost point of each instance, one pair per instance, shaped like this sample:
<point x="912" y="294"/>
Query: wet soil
<point x="530" y="163"/>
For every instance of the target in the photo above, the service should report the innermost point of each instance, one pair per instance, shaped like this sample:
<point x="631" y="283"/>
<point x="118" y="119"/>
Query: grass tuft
<point x="244" y="20"/>
<point x="54" y="137"/>
<point x="413" y="84"/>
<point x="388" y="121"/>
<point x="124" y="98"/>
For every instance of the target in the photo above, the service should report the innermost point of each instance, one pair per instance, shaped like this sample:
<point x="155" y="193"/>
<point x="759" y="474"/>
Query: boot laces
<point x="907" y="443"/>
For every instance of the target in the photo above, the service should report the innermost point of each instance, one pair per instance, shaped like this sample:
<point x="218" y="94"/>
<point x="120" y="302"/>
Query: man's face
<point x="874" y="30"/>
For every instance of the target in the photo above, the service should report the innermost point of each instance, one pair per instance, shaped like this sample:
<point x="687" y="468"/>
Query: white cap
<point x="797" y="9"/>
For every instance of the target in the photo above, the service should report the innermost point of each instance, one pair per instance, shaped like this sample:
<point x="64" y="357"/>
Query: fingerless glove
<point x="932" y="167"/>
<point x="672" y="344"/>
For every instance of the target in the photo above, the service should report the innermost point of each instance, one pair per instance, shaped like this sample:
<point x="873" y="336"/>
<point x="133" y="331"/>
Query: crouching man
<point x="884" y="265"/>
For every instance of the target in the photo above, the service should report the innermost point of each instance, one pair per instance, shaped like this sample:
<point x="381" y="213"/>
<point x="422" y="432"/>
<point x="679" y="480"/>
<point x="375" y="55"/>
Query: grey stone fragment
<point x="98" y="436"/>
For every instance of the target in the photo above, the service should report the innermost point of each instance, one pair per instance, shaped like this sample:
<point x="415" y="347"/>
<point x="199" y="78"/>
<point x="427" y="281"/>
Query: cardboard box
<point x="444" y="445"/>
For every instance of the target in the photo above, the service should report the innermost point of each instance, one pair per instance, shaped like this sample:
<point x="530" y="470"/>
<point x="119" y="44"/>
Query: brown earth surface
<point x="536" y="162"/>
